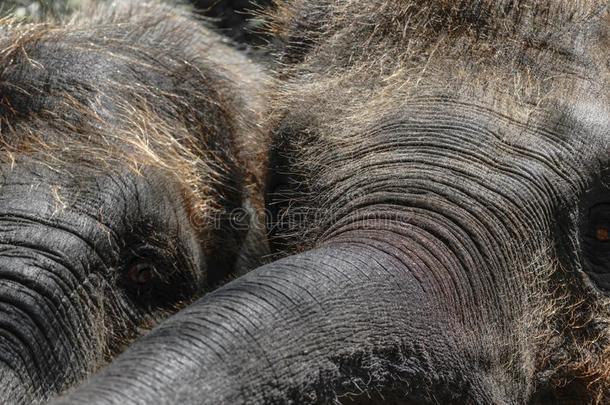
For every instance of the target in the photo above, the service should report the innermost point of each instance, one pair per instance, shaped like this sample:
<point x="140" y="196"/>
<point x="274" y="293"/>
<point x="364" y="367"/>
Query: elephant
<point x="127" y="130"/>
<point x="438" y="179"/>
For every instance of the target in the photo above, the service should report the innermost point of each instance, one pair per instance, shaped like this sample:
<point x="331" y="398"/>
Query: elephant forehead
<point x="561" y="129"/>
<point x="117" y="197"/>
<point x="476" y="148"/>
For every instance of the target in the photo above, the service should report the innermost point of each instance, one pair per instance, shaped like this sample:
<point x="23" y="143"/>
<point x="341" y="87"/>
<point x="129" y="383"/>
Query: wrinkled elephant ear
<point x="344" y="320"/>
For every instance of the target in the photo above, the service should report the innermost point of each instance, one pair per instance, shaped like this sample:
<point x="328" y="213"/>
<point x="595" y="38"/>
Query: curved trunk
<point x="353" y="318"/>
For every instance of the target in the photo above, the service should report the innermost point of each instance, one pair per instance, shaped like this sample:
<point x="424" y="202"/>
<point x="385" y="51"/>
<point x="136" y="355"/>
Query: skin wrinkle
<point x="396" y="255"/>
<point x="438" y="190"/>
<point x="369" y="325"/>
<point x="464" y="261"/>
<point x="486" y="225"/>
<point x="51" y="382"/>
<point x="275" y="291"/>
<point x="319" y="305"/>
<point x="270" y="365"/>
<point x="469" y="232"/>
<point x="58" y="309"/>
<point x="48" y="253"/>
<point x="54" y="225"/>
<point x="433" y="260"/>
<point x="29" y="359"/>
<point x="426" y="263"/>
<point x="455" y="227"/>
<point x="544" y="193"/>
<point x="337" y="268"/>
<point x="423" y="260"/>
<point x="66" y="300"/>
<point x="464" y="265"/>
<point x="217" y="331"/>
<point x="38" y="321"/>
<point x="238" y="316"/>
<point x="25" y="375"/>
<point x="212" y="343"/>
<point x="552" y="165"/>
<point x="50" y="296"/>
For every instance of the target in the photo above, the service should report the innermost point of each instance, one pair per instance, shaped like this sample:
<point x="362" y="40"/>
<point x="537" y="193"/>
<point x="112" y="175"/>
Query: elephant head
<point x="126" y="132"/>
<point x="440" y="176"/>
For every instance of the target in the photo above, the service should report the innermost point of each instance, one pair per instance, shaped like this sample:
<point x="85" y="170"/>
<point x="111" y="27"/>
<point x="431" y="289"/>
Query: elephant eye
<point x="602" y="233"/>
<point x="595" y="243"/>
<point x="145" y="271"/>
<point x="141" y="274"/>
<point x="599" y="222"/>
<point x="155" y="277"/>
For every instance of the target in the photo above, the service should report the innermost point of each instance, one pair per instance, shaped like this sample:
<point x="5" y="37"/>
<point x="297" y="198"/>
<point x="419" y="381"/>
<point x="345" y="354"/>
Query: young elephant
<point x="442" y="167"/>
<point x="127" y="133"/>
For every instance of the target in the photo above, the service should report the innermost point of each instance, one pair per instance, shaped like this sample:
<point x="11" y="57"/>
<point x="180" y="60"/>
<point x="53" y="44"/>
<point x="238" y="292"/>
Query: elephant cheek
<point x="49" y="329"/>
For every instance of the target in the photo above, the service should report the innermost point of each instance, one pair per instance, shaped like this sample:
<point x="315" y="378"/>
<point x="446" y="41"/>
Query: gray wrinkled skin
<point x="440" y="174"/>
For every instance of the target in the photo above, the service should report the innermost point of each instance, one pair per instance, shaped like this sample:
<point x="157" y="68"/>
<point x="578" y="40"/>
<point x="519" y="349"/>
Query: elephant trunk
<point x="349" y="318"/>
